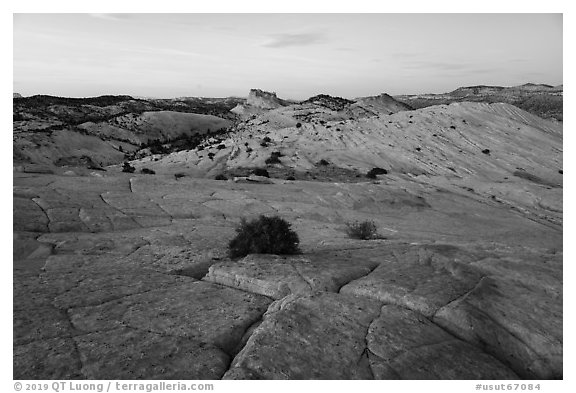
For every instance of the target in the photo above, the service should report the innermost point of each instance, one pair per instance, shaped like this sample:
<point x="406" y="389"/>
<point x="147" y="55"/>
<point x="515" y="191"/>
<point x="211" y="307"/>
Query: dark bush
<point x="260" y="172"/>
<point x="323" y="162"/>
<point x="264" y="235"/>
<point x="362" y="230"/>
<point x="220" y="176"/>
<point x="211" y="155"/>
<point x="298" y="125"/>
<point x="263" y="144"/>
<point x="200" y="148"/>
<point x="290" y="178"/>
<point x="376" y="171"/>
<point x="220" y="147"/>
<point x="267" y="139"/>
<point x="273" y="159"/>
<point x="453" y="127"/>
<point x="179" y="175"/>
<point x="147" y="171"/>
<point x="126" y="167"/>
<point x="486" y="151"/>
<point x="561" y="171"/>
<point x="248" y="149"/>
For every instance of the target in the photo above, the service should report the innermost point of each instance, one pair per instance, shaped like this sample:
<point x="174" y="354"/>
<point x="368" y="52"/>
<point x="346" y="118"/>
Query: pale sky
<point x="295" y="55"/>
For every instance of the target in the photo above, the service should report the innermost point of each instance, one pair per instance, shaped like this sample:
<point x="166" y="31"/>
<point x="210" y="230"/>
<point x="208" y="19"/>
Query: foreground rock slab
<point x="519" y="324"/>
<point x="403" y="344"/>
<point x="314" y="337"/>
<point x="279" y="276"/>
<point x="420" y="278"/>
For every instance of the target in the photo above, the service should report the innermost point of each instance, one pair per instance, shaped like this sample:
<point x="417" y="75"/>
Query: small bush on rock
<point x="220" y="176"/>
<point x="264" y="235"/>
<point x="376" y="171"/>
<point x="362" y="230"/>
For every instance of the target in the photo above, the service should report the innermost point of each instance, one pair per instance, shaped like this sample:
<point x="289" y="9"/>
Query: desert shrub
<point x="561" y="171"/>
<point x="179" y="175"/>
<point x="220" y="147"/>
<point x="211" y="155"/>
<point x="267" y="139"/>
<point x="364" y="230"/>
<point x="147" y="171"/>
<point x="323" y="162"/>
<point x="126" y="167"/>
<point x="200" y="148"/>
<point x="376" y="171"/>
<point x="486" y="151"/>
<point x="263" y="144"/>
<point x="260" y="172"/>
<point x="264" y="235"/>
<point x="248" y="149"/>
<point x="273" y="159"/>
<point x="290" y="178"/>
<point x="220" y="176"/>
<point x="298" y="125"/>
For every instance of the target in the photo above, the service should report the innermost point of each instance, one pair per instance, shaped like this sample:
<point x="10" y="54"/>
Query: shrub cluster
<point x="274" y="158"/>
<point x="220" y="176"/>
<point x="362" y="230"/>
<point x="264" y="235"/>
<point x="126" y="167"/>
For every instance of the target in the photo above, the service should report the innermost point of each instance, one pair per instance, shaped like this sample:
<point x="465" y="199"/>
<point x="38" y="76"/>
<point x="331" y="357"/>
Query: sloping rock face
<point x="126" y="277"/>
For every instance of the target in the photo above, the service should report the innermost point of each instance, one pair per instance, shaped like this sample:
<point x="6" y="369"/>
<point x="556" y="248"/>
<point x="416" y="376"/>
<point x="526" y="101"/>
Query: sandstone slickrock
<point x="278" y="276"/>
<point x="127" y="353"/>
<point x="519" y="324"/>
<point x="404" y="344"/>
<point x="419" y="278"/>
<point x="313" y="337"/>
<point x="154" y="277"/>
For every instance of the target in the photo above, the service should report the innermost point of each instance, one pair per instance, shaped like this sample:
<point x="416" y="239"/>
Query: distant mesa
<point x="476" y="90"/>
<point x="264" y="100"/>
<point x="258" y="101"/>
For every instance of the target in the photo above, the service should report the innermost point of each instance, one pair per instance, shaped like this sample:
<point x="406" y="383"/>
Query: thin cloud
<point x="298" y="39"/>
<point x="110" y="17"/>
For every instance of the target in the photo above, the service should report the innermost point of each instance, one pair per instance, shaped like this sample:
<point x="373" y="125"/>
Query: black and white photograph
<point x="287" y="196"/>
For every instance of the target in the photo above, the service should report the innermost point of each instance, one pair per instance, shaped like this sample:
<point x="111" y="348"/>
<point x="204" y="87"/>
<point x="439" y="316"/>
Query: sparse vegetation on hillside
<point x="365" y="230"/>
<point x="264" y="235"/>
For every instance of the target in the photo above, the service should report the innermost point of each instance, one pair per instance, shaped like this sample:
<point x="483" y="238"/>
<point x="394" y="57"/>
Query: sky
<point x="294" y="55"/>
